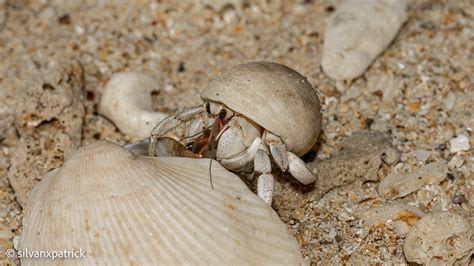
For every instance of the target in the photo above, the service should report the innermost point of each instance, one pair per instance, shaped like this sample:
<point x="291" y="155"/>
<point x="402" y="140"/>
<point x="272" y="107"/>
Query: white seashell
<point x="127" y="209"/>
<point x="357" y="33"/>
<point x="274" y="96"/>
<point x="127" y="102"/>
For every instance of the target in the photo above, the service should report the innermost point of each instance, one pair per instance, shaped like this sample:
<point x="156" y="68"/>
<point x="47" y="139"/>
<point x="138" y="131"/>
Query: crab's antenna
<point x="210" y="173"/>
<point x="226" y="126"/>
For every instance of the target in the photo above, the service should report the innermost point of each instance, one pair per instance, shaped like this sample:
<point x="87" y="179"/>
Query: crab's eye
<point x="208" y="108"/>
<point x="222" y="113"/>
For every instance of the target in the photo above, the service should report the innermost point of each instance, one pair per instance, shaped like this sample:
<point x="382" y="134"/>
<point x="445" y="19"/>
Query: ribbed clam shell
<point x="127" y="209"/>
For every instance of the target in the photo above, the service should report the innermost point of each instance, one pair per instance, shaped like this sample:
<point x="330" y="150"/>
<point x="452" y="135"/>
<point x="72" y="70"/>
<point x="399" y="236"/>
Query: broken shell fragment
<point x="440" y="238"/>
<point x="126" y="209"/>
<point x="126" y="101"/>
<point x="396" y="185"/>
<point x="357" y="33"/>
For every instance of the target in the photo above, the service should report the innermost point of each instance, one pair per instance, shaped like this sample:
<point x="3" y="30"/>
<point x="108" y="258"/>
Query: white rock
<point x="459" y="143"/>
<point x="388" y="84"/>
<point x="400" y="214"/>
<point x="357" y="33"/>
<point x="396" y="185"/>
<point x="456" y="162"/>
<point x="420" y="155"/>
<point x="440" y="238"/>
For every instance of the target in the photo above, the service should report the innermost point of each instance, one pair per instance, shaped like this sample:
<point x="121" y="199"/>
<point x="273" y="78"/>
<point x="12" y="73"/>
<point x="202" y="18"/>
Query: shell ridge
<point x="172" y="206"/>
<point x="259" y="220"/>
<point x="191" y="211"/>
<point x="243" y="200"/>
<point x="116" y="231"/>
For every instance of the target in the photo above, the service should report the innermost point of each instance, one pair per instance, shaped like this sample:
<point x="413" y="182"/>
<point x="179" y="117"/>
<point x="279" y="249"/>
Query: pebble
<point x="357" y="33"/>
<point x="397" y="185"/>
<point x="420" y="155"/>
<point x="459" y="143"/>
<point x="456" y="162"/>
<point x="400" y="214"/>
<point x="459" y="199"/>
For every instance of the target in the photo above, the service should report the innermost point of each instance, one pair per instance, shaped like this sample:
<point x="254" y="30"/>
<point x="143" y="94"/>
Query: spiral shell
<point x="275" y="96"/>
<point x="126" y="101"/>
<point x="127" y="209"/>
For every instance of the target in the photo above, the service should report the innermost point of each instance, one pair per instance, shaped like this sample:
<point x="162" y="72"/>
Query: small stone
<point x="456" y="161"/>
<point x="420" y="155"/>
<point x="459" y="199"/>
<point x="458" y="76"/>
<point x="401" y="228"/>
<point x="397" y="213"/>
<point x="299" y="214"/>
<point x="357" y="32"/>
<point x="459" y="143"/>
<point x="450" y="101"/>
<point x="396" y="185"/>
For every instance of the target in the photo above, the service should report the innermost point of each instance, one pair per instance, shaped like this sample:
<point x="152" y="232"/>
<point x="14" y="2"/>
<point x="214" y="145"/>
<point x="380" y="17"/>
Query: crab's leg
<point x="277" y="149"/>
<point x="287" y="160"/>
<point x="171" y="122"/>
<point x="265" y="181"/>
<point x="139" y="147"/>
<point x="165" y="147"/>
<point x="299" y="170"/>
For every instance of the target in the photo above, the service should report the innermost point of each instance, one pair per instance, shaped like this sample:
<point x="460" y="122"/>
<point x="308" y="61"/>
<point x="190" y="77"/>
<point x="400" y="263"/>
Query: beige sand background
<point x="419" y="92"/>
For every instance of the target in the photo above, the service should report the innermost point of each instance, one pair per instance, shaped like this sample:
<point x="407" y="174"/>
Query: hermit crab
<point x="252" y="113"/>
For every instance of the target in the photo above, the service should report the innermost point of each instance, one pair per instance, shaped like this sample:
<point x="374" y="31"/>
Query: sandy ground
<point x="419" y="92"/>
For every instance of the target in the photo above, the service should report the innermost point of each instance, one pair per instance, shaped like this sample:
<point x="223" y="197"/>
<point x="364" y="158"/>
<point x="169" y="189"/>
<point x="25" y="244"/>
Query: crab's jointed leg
<point x="287" y="160"/>
<point x="139" y="147"/>
<point x="277" y="149"/>
<point x="170" y="123"/>
<point x="265" y="181"/>
<point x="299" y="170"/>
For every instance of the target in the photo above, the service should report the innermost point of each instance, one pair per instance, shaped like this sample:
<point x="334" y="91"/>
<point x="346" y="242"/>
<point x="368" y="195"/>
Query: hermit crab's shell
<point x="125" y="209"/>
<point x="275" y="96"/>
